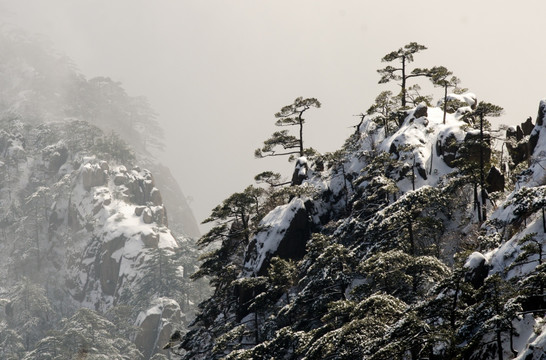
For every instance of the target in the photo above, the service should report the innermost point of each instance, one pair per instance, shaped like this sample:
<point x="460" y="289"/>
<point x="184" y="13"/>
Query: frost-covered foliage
<point x="400" y="263"/>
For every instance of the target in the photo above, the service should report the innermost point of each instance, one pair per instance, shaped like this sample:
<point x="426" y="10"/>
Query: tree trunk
<point x="413" y="174"/>
<point x="411" y="240"/>
<point x="499" y="343"/>
<point x="477" y="203"/>
<point x="482" y="170"/>
<point x="256" y="331"/>
<point x="403" y="93"/>
<point x="301" y="132"/>
<point x="37" y="229"/>
<point x="514" y="352"/>
<point x="445" y="103"/>
<point x="543" y="221"/>
<point x="431" y="158"/>
<point x="454" y="305"/>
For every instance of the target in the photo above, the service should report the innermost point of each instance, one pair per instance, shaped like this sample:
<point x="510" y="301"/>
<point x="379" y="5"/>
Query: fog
<point x="217" y="71"/>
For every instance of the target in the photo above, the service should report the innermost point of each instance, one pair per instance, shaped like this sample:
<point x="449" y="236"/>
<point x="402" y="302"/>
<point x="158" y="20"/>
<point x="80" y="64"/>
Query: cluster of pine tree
<point x="385" y="273"/>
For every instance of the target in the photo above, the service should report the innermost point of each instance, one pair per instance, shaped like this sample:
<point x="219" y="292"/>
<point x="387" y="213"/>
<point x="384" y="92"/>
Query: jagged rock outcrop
<point x="494" y="180"/>
<point x="93" y="175"/>
<point x="285" y="234"/>
<point x="420" y="111"/>
<point x="126" y="228"/>
<point x="300" y="171"/>
<point x="446" y="147"/>
<point x="535" y="134"/>
<point x="527" y="126"/>
<point x="174" y="200"/>
<point x="55" y="156"/>
<point x="156" y="326"/>
<point x="521" y="141"/>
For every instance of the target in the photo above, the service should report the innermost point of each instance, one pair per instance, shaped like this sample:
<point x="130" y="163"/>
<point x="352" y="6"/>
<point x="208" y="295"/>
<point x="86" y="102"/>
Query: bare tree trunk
<point x="482" y="171"/>
<point x="411" y="240"/>
<point x="301" y="133"/>
<point x="445" y="103"/>
<point x="499" y="343"/>
<point x="477" y="203"/>
<point x="413" y="174"/>
<point x="403" y="92"/>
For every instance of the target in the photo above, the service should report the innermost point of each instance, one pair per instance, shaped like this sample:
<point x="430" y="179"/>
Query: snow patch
<point x="474" y="260"/>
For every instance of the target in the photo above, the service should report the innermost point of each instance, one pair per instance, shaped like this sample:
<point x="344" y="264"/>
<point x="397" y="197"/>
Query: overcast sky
<point x="217" y="71"/>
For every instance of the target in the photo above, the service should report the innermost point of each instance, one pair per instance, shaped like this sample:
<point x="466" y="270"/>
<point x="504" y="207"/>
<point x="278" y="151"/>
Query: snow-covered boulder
<point x="285" y="233"/>
<point x="157" y="325"/>
<point x="93" y="175"/>
<point x="55" y="156"/>
<point x="420" y="111"/>
<point x="477" y="269"/>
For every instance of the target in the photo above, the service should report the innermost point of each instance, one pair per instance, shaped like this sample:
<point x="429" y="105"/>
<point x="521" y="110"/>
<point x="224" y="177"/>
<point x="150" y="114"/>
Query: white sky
<point x="217" y="70"/>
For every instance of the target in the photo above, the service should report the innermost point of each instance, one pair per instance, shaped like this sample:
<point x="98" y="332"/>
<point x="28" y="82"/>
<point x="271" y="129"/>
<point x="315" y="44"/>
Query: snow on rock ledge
<point x="285" y="234"/>
<point x="477" y="269"/>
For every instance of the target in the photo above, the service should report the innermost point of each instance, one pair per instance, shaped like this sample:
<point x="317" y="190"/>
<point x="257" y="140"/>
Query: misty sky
<point x="217" y="71"/>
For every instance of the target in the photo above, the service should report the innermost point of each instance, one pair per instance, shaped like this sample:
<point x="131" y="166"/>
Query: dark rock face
<point x="472" y="143"/>
<point x="495" y="180"/>
<point x="511" y="133"/>
<point x="519" y="133"/>
<point x="527" y="127"/>
<point x="533" y="139"/>
<point x="520" y="152"/>
<point x="300" y="171"/>
<point x="523" y="140"/>
<point x="420" y="111"/>
<point x="447" y="148"/>
<point x="394" y="150"/>
<point x="151" y="239"/>
<point x="476" y="276"/>
<point x="155" y="197"/>
<point x="421" y="170"/>
<point x="108" y="267"/>
<point x="292" y="246"/>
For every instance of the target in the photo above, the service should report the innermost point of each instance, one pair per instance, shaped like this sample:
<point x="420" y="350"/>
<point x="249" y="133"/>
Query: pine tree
<point x="28" y="312"/>
<point x="85" y="334"/>
<point x="290" y="115"/>
<point x="235" y="220"/>
<point x="162" y="276"/>
<point x="489" y="320"/>
<point x="482" y="110"/>
<point x="440" y="76"/>
<point x="386" y="106"/>
<point x="404" y="56"/>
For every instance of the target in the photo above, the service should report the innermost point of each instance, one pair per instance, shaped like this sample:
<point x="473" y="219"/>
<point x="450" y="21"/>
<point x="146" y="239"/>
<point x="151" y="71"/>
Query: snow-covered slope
<point x="405" y="257"/>
<point x="85" y="214"/>
<point x="92" y="229"/>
